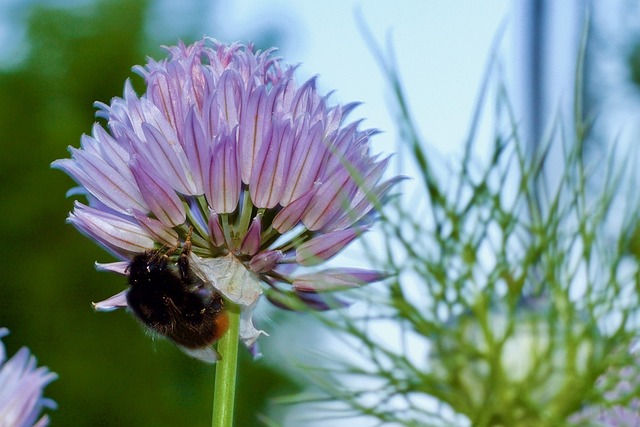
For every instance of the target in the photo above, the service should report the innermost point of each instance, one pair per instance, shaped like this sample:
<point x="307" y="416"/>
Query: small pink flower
<point x="21" y="385"/>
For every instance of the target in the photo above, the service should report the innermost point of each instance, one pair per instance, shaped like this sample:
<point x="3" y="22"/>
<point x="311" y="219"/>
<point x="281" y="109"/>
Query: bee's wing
<point x="205" y="354"/>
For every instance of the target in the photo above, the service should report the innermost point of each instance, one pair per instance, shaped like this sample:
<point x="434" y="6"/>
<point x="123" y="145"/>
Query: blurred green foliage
<point x="110" y="373"/>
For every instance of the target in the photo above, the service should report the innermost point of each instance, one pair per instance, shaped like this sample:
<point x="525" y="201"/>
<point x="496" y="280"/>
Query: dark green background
<point x="110" y="373"/>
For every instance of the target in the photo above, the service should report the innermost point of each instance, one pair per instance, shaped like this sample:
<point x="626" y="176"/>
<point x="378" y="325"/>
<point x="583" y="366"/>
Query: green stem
<point x="225" y="384"/>
<point x="245" y="215"/>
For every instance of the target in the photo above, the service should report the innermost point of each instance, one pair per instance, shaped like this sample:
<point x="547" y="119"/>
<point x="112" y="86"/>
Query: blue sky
<point x="441" y="49"/>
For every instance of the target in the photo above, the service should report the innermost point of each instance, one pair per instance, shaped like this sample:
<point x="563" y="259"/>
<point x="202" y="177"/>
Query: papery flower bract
<point x="224" y="142"/>
<point x="21" y="385"/>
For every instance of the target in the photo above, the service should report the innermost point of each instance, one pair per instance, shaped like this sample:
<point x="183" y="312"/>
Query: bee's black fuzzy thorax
<point x="172" y="301"/>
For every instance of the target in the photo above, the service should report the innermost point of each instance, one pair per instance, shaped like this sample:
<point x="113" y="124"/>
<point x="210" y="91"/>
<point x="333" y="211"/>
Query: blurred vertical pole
<point x="534" y="40"/>
<point x="547" y="36"/>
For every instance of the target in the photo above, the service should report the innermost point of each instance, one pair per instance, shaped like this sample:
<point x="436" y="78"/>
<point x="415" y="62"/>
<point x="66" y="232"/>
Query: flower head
<point x="224" y="146"/>
<point x="621" y="404"/>
<point x="21" y="385"/>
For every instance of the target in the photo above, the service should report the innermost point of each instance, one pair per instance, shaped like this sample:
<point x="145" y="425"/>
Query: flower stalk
<point x="220" y="181"/>
<point x="225" y="382"/>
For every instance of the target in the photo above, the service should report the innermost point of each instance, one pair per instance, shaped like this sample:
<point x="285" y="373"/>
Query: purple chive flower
<point x="21" y="385"/>
<point x="625" y="389"/>
<point x="264" y="171"/>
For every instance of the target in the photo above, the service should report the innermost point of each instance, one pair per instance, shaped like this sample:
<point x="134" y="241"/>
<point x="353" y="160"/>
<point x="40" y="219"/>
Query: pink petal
<point x="156" y="229"/>
<point x="288" y="217"/>
<point x="162" y="200"/>
<point x="301" y="301"/>
<point x="112" y="303"/>
<point x="323" y="247"/>
<point x="223" y="184"/>
<point x="265" y="261"/>
<point x="115" y="233"/>
<point x="155" y="119"/>
<point x="328" y="201"/>
<point x="307" y="156"/>
<point x="254" y="124"/>
<point x="365" y="204"/>
<point x="215" y="230"/>
<point x="167" y="156"/>
<point x="229" y="94"/>
<point x="336" y="279"/>
<point x="344" y="141"/>
<point x="251" y="242"/>
<point x="119" y="267"/>
<point x="102" y="180"/>
<point x="196" y="149"/>
<point x="112" y="151"/>
<point x="305" y="98"/>
<point x="271" y="167"/>
<point x="283" y="93"/>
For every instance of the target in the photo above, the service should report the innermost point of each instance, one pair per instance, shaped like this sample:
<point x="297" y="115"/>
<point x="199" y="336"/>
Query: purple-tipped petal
<point x="229" y="96"/>
<point x="212" y="122"/>
<point x="154" y="118"/>
<point x="306" y="98"/>
<point x="115" y="233"/>
<point x="223" y="184"/>
<point x="265" y="261"/>
<point x="251" y="243"/>
<point x="271" y="167"/>
<point x="162" y="200"/>
<point x="197" y="149"/>
<point x="288" y="217"/>
<point x="307" y="156"/>
<point x="301" y="301"/>
<point x="198" y="218"/>
<point x="323" y="247"/>
<point x="119" y="267"/>
<point x="216" y="235"/>
<point x="322" y="302"/>
<point x="101" y="180"/>
<point x="114" y="153"/>
<point x="253" y="126"/>
<point x="157" y="230"/>
<point x="115" y="302"/>
<point x="283" y="92"/>
<point x="365" y="204"/>
<point x="42" y="422"/>
<point x="329" y="200"/>
<point x="162" y="90"/>
<point x="336" y="279"/>
<point x="166" y="156"/>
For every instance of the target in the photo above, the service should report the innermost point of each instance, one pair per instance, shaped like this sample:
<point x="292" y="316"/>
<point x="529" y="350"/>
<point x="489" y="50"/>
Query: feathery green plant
<point x="515" y="283"/>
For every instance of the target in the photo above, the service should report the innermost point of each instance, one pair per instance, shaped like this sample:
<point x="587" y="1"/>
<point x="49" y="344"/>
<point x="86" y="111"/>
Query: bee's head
<point x="146" y="267"/>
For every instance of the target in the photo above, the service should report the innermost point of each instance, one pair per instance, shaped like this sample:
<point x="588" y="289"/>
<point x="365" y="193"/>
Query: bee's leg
<point x="162" y="254"/>
<point x="183" y="261"/>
